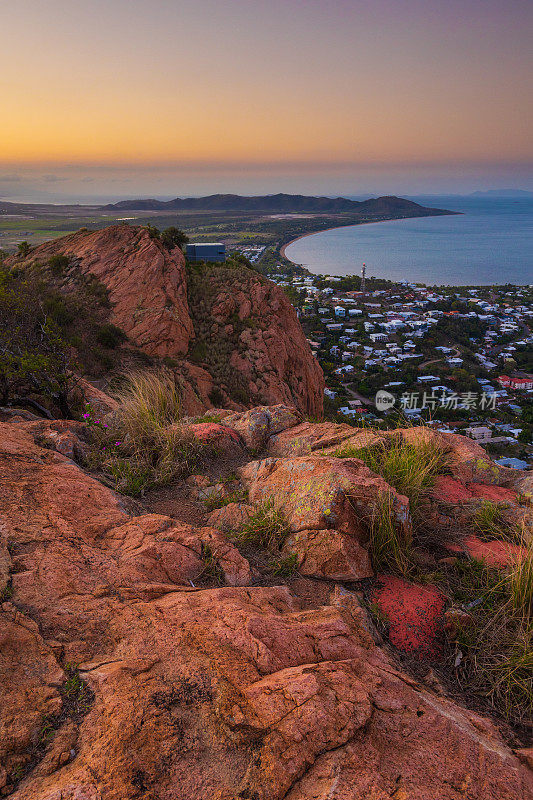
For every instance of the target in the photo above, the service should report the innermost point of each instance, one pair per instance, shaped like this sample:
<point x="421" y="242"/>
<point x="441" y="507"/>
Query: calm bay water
<point x="490" y="243"/>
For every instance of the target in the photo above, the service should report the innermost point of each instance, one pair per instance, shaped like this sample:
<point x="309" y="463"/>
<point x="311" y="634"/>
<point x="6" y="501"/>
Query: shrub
<point x="266" y="527"/>
<point x="110" y="336"/>
<point x="56" y="307"/>
<point x="58" y="264"/>
<point x="216" y="397"/>
<point x="34" y="358"/>
<point x="174" y="237"/>
<point x="153" y="232"/>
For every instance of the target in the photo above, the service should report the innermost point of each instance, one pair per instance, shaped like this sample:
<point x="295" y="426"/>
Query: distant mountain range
<point x="279" y="204"/>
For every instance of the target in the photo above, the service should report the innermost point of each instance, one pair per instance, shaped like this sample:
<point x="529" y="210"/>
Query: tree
<point x="174" y="237"/>
<point x="24" y="248"/>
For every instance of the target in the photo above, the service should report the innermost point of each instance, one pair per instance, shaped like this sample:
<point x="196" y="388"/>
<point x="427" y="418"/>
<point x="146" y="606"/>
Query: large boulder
<point x="259" y="424"/>
<point x="320" y="492"/>
<point x="147" y="283"/>
<point x="467" y="461"/>
<point x="246" y="318"/>
<point x="329" y="554"/>
<point x="326" y="437"/>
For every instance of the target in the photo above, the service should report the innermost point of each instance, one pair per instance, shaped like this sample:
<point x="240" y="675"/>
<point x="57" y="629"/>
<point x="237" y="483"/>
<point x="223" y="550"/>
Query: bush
<point x="110" y="336"/>
<point x="56" y="308"/>
<point x="174" y="237"/>
<point x="216" y="397"/>
<point x="153" y="232"/>
<point x="58" y="264"/>
<point x="34" y="358"/>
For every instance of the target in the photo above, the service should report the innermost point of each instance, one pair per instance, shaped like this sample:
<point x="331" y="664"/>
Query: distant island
<point x="281" y="204"/>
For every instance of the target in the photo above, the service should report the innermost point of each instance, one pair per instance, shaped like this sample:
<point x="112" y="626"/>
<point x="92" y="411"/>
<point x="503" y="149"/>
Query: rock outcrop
<point x="252" y="346"/>
<point x="122" y="678"/>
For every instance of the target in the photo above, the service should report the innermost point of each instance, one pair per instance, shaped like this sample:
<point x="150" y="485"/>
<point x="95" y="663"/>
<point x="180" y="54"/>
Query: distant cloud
<point x="53" y="178"/>
<point x="13" y="178"/>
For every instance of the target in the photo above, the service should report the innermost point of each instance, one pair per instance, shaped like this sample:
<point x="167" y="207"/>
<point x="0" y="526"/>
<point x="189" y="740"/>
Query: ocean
<point x="490" y="243"/>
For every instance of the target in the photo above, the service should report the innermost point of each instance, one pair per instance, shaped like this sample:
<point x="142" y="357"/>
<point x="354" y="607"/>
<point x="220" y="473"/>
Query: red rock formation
<point x="147" y="287"/>
<point x="146" y="283"/>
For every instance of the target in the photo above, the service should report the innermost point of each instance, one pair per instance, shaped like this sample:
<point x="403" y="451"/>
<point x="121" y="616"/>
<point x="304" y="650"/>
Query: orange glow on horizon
<point x="204" y="81"/>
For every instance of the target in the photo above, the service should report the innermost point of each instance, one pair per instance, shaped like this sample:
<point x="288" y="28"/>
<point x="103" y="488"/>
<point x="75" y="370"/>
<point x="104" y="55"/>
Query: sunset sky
<point x="117" y="98"/>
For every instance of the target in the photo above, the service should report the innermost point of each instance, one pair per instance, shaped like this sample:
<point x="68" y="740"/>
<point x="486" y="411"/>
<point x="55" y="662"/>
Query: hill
<point x="279" y="204"/>
<point x="231" y="336"/>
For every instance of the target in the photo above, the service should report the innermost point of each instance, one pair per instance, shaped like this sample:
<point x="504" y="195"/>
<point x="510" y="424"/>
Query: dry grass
<point x="520" y="583"/>
<point x="496" y="647"/>
<point x="149" y="401"/>
<point x="145" y="445"/>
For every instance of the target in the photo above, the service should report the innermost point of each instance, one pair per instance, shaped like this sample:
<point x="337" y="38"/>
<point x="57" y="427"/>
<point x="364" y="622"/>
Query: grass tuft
<point x="220" y="501"/>
<point x="490" y="522"/>
<point x="144" y="445"/>
<point x="495" y="649"/>
<point x="148" y="400"/>
<point x="285" y="567"/>
<point x="520" y="583"/>
<point x="411" y="469"/>
<point x="266" y="528"/>
<point x="212" y="570"/>
<point x="390" y="544"/>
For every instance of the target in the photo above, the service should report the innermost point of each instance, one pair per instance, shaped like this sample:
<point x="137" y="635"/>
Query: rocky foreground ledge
<point x="122" y="678"/>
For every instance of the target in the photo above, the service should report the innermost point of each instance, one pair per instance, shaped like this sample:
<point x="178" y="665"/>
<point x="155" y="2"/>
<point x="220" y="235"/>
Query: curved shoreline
<point x="338" y="227"/>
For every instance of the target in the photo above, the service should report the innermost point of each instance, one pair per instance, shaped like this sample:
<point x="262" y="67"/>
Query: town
<point x="457" y="358"/>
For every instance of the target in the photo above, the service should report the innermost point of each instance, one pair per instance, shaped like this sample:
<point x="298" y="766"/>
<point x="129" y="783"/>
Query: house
<point x="517" y="382"/>
<point x="479" y="434"/>
<point x="378" y="337"/>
